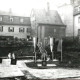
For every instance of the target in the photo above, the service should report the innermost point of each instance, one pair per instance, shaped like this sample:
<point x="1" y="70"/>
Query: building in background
<point x="16" y="26"/>
<point x="70" y="14"/>
<point x="77" y="18"/>
<point x="47" y="23"/>
<point x="66" y="13"/>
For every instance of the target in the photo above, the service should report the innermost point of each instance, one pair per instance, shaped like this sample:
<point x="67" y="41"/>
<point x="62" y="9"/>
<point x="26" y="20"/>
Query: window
<point x="79" y="32"/>
<point x="0" y="18"/>
<point x="54" y="30"/>
<point x="1" y="28"/>
<point x="78" y="19"/>
<point x="11" y="19"/>
<point x="79" y="9"/>
<point x="33" y="18"/>
<point x="21" y="20"/>
<point x="28" y="30"/>
<point x="11" y="29"/>
<point x="29" y="38"/>
<point x="21" y="29"/>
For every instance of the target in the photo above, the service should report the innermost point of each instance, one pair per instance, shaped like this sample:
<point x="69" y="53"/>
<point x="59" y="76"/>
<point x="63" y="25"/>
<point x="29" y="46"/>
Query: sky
<point x="24" y="7"/>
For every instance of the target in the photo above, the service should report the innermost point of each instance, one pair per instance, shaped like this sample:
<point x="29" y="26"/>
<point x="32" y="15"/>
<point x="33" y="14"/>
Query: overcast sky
<point x="23" y="7"/>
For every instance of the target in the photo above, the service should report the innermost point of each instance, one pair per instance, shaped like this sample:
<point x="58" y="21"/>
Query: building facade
<point x="66" y="13"/>
<point x="46" y="24"/>
<point x="77" y="20"/>
<point x="70" y="14"/>
<point x="16" y="26"/>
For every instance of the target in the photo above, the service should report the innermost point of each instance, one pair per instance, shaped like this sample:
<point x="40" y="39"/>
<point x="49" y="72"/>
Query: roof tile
<point x="44" y="17"/>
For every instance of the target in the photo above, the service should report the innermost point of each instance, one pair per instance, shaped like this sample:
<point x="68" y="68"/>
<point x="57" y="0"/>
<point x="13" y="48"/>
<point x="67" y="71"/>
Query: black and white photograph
<point x="39" y="39"/>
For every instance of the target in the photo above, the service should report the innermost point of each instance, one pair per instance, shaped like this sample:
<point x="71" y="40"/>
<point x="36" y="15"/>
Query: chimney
<point x="10" y="11"/>
<point x="48" y="8"/>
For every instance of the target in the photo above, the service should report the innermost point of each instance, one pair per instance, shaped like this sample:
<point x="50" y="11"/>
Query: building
<point x="76" y="16"/>
<point x="16" y="26"/>
<point x="66" y="13"/>
<point x="47" y="23"/>
<point x="77" y="19"/>
<point x="75" y="2"/>
<point x="70" y="14"/>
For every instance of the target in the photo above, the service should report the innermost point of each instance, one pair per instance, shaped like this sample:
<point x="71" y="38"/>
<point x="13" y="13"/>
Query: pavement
<point x="8" y="71"/>
<point x="20" y="69"/>
<point x="53" y="73"/>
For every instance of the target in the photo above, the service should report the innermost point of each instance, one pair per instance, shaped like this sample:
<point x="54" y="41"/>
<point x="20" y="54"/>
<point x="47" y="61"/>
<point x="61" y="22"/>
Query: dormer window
<point x="11" y="19"/>
<point x="0" y="18"/>
<point x="21" y="20"/>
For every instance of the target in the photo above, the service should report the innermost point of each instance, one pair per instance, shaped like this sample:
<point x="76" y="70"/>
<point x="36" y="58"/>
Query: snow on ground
<point x="52" y="73"/>
<point x="8" y="70"/>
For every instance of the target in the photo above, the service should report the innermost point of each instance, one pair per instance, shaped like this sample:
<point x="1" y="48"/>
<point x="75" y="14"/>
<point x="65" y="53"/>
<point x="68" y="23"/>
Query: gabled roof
<point x="16" y="19"/>
<point x="6" y="13"/>
<point x="47" y="17"/>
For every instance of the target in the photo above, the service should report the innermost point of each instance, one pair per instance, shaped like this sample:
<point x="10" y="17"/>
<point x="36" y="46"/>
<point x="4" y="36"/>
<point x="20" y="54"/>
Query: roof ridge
<point x="12" y="14"/>
<point x="52" y="18"/>
<point x="43" y="9"/>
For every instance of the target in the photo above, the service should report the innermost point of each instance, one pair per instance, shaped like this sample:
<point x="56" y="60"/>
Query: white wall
<point x="66" y="13"/>
<point x="16" y="32"/>
<point x="76" y="24"/>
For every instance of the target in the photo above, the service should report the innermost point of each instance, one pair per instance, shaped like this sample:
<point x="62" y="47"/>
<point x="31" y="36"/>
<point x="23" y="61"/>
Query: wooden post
<point x="34" y="41"/>
<point x="61" y="56"/>
<point x="52" y="55"/>
<point x="61" y="50"/>
<point x="35" y="57"/>
<point x="51" y="46"/>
